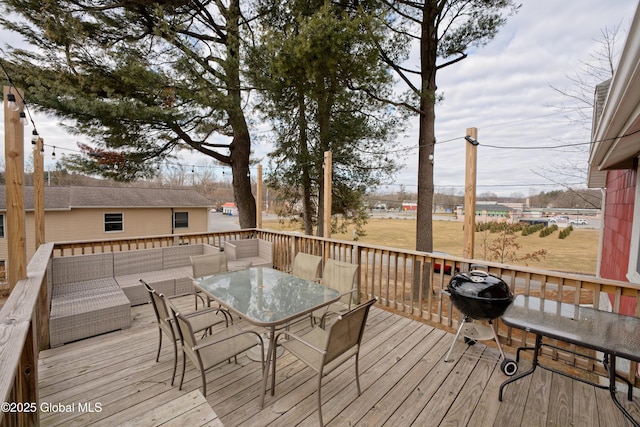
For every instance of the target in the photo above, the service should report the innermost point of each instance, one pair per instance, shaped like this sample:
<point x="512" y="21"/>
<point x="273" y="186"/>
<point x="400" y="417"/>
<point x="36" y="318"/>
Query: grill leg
<point x="446" y="358"/>
<point x="495" y="336"/>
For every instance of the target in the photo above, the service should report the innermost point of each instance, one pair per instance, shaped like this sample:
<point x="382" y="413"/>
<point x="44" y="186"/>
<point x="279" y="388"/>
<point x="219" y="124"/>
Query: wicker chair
<point x="215" y="348"/>
<point x="201" y="320"/>
<point x="324" y="350"/>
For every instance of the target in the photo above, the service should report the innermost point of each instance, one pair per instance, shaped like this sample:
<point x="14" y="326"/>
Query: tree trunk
<point x="424" y="215"/>
<point x="324" y="124"/>
<point x="305" y="178"/>
<point x="240" y="147"/>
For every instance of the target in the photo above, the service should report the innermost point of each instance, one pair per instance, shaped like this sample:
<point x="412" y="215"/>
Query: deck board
<point x="402" y="373"/>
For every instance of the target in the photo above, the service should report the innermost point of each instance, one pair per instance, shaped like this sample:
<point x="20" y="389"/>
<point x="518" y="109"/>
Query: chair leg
<point x="184" y="364"/>
<point x="320" y="398"/>
<point x="204" y="383"/>
<point x="357" y="376"/>
<point x="159" y="345"/>
<point x="175" y="362"/>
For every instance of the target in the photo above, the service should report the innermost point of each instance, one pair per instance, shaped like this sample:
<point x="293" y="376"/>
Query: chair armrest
<point x="201" y="311"/>
<point x="230" y="251"/>
<point x="301" y="340"/>
<point x="228" y="337"/>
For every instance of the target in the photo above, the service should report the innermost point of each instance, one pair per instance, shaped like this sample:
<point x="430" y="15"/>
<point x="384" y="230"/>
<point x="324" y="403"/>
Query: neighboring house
<point x="492" y="212"/>
<point x="96" y="213"/>
<point x="613" y="166"/>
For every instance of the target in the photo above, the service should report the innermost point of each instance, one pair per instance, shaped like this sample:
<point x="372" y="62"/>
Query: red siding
<point x="618" y="222"/>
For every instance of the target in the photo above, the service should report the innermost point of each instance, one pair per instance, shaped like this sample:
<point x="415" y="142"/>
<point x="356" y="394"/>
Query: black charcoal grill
<point x="480" y="296"/>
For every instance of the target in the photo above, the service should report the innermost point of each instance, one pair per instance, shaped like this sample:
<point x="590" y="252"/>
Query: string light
<point x="13" y="105"/>
<point x="11" y="102"/>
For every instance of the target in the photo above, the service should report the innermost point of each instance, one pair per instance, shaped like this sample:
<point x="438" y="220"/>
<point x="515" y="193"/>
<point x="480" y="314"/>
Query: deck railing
<point x="24" y="331"/>
<point x="390" y="274"/>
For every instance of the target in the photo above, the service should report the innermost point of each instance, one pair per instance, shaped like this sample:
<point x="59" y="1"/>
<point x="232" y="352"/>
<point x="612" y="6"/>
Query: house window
<point x="181" y="220"/>
<point x="1" y="225"/>
<point x="113" y="222"/>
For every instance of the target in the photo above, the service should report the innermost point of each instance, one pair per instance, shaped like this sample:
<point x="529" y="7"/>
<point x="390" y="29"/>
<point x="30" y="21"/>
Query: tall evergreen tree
<point x="141" y="79"/>
<point x="315" y="64"/>
<point x="444" y="30"/>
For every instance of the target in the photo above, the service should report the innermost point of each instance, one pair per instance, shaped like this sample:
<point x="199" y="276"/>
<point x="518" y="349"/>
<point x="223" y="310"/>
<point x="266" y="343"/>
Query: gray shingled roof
<point x="493" y="208"/>
<point x="65" y="198"/>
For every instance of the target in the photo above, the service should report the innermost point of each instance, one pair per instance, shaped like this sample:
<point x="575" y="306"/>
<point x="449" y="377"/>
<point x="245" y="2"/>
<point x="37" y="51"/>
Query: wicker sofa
<point x="93" y="294"/>
<point x="248" y="253"/>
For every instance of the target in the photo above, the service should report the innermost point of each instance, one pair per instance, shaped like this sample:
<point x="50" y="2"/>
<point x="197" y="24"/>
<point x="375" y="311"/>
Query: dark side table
<point x="615" y="335"/>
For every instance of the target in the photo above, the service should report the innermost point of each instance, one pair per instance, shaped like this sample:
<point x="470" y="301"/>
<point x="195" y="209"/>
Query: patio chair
<point x="324" y="350"/>
<point x="215" y="348"/>
<point x="307" y="266"/>
<point x="202" y="320"/>
<point x="340" y="276"/>
<point x="207" y="265"/>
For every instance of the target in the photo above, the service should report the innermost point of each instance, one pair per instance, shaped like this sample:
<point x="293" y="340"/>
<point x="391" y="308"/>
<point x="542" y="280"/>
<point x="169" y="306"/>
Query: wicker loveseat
<point x="248" y="253"/>
<point x="93" y="294"/>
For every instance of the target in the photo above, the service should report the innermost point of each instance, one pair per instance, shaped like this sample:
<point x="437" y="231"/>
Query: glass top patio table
<point x="268" y="298"/>
<point x="265" y="296"/>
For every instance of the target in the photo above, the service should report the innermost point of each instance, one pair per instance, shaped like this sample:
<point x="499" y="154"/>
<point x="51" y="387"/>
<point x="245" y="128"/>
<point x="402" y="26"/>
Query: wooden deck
<point x="113" y="379"/>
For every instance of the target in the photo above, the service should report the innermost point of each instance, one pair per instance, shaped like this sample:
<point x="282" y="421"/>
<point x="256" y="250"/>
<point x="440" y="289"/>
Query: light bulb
<point x="23" y="118"/>
<point x="34" y="137"/>
<point x="11" y="102"/>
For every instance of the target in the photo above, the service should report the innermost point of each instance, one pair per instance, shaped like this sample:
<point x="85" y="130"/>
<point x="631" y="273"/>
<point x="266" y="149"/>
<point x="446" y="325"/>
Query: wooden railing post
<point x="14" y="178"/>
<point x="27" y="376"/>
<point x="38" y="192"/>
<point x="470" y="192"/>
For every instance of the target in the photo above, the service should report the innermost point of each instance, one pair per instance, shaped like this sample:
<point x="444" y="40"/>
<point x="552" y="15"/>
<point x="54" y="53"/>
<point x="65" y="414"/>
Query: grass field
<point x="577" y="253"/>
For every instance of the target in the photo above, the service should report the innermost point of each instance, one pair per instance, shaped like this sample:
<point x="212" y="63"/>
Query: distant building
<point x="492" y="212"/>
<point x="95" y="213"/>
<point x="229" y="208"/>
<point x="409" y="206"/>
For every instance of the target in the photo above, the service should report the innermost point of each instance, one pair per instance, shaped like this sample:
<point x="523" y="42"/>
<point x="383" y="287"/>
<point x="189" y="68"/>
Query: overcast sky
<point x="503" y="89"/>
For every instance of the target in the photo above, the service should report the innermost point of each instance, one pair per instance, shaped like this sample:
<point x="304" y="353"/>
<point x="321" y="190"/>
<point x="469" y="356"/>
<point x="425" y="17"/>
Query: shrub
<point x="493" y="227"/>
<point x="548" y="230"/>
<point x="564" y="233"/>
<point x="532" y="229"/>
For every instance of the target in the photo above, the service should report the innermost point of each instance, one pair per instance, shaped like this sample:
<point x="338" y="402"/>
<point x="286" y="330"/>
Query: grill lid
<point x="480" y="295"/>
<point x="479" y="285"/>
